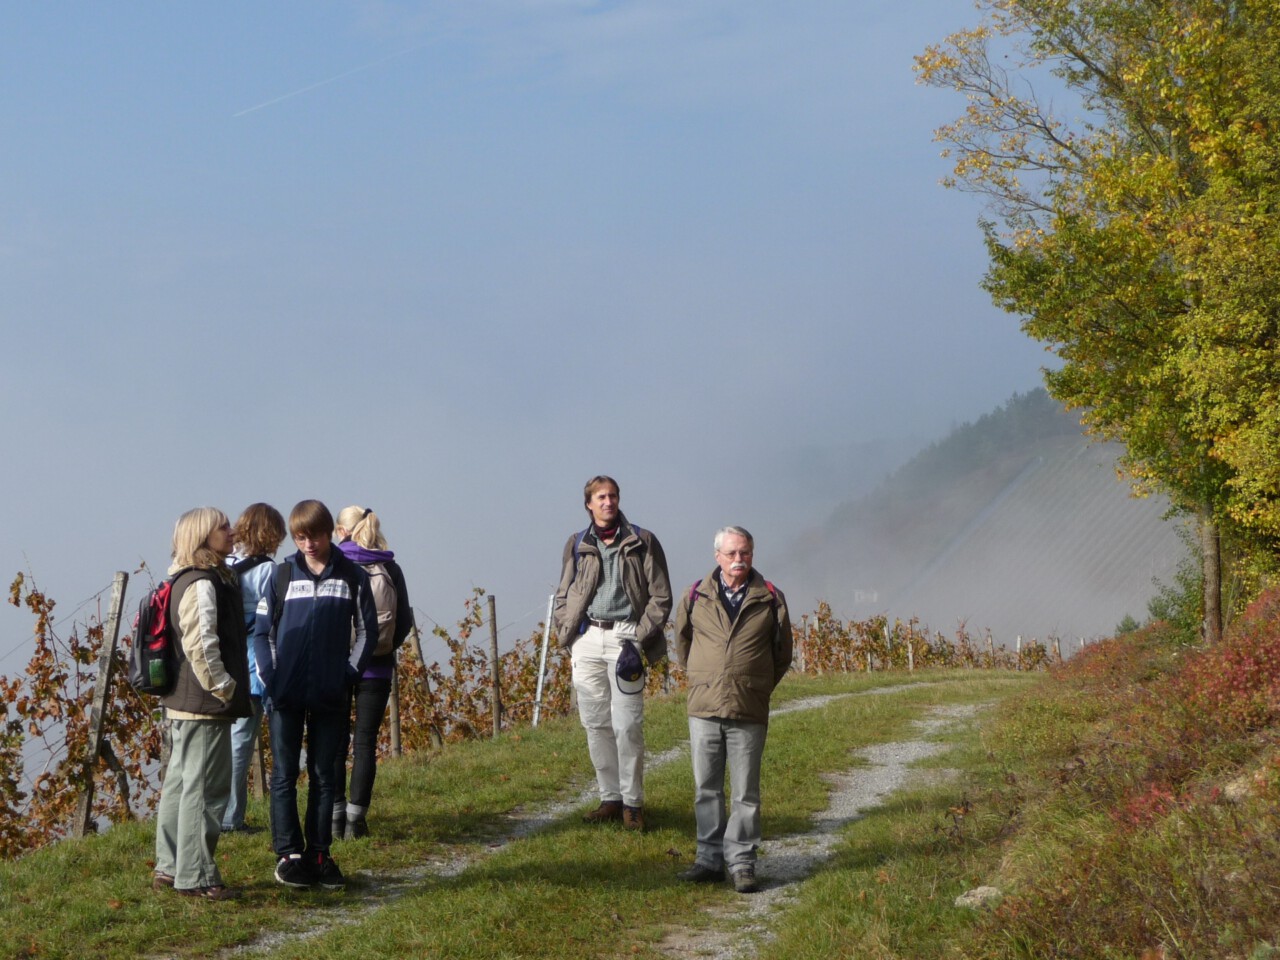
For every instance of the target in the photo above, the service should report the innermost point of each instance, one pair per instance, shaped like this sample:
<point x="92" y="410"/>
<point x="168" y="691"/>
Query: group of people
<point x="303" y="642"/>
<point x="732" y="637"/>
<point x="300" y="643"/>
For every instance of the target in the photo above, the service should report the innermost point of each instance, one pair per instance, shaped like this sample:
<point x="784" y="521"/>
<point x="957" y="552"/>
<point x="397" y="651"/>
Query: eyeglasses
<point x="735" y="554"/>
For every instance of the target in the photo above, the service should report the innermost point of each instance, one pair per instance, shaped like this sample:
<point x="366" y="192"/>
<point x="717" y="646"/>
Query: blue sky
<point x="449" y="260"/>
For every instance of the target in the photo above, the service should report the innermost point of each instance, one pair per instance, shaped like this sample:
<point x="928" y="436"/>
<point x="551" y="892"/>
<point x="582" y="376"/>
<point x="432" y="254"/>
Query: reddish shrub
<point x="1236" y="684"/>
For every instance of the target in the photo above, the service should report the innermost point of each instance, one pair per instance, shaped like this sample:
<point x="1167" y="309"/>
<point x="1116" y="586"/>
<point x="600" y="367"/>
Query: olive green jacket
<point x="732" y="667"/>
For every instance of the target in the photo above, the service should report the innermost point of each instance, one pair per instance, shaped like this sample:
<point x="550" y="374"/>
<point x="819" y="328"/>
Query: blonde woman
<point x="360" y="538"/>
<point x="211" y="691"/>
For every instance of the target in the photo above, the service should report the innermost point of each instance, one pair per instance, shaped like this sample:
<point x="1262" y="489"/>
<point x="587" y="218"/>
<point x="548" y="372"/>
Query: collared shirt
<point x="610" y="601"/>
<point x="732" y="598"/>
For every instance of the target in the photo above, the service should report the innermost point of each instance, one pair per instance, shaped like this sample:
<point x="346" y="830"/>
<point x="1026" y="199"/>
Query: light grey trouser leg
<point x="193" y="799"/>
<point x="726" y="840"/>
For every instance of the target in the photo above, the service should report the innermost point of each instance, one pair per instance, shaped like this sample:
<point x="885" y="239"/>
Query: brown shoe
<point x="633" y="818"/>
<point x="215" y="892"/>
<point x="161" y="881"/>
<point x="608" y="810"/>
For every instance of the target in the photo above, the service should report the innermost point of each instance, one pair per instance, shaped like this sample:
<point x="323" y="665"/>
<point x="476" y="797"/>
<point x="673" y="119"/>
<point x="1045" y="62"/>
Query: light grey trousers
<point x="730" y="840"/>
<point x="193" y="799"/>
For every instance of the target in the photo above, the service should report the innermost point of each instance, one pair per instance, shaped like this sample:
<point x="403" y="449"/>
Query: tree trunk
<point x="1210" y="550"/>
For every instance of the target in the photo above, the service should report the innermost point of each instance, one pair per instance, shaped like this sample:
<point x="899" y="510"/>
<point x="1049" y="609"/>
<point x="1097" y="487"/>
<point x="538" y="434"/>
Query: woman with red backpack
<point x="211" y="690"/>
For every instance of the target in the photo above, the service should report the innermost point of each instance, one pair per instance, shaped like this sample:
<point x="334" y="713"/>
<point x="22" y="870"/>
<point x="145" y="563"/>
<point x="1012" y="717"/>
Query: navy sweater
<point x="310" y="659"/>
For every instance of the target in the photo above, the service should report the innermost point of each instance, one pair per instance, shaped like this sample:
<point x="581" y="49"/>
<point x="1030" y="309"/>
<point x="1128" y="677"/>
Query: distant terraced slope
<point x="1036" y="538"/>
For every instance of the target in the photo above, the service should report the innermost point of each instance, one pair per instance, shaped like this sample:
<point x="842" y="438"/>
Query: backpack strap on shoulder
<point x="577" y="542"/>
<point x="284" y="574"/>
<point x="693" y="593"/>
<point x="245" y="564"/>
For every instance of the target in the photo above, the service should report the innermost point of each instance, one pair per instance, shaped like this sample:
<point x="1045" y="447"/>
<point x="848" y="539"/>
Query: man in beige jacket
<point x="733" y="637"/>
<point x="614" y="592"/>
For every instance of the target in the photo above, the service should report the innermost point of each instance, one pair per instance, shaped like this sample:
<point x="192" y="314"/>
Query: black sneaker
<point x="327" y="873"/>
<point x="292" y="870"/>
<point x="357" y="827"/>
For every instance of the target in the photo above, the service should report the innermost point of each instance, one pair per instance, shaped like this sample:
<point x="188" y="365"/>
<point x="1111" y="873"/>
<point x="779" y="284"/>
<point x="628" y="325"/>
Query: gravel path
<point x="788" y="861"/>
<point x="785" y="862"/>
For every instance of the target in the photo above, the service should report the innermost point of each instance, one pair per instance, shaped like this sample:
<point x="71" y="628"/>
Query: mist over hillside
<point x="1015" y="523"/>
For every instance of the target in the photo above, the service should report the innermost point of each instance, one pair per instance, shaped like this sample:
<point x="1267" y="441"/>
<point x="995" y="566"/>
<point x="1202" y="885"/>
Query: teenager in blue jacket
<point x="314" y="634"/>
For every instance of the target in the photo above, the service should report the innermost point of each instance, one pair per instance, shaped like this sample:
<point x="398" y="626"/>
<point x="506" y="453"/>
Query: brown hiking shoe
<point x="608" y="810"/>
<point x="633" y="818"/>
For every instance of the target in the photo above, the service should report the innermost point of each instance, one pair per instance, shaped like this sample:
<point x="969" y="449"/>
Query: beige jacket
<point x="644" y="579"/>
<point x="732" y="668"/>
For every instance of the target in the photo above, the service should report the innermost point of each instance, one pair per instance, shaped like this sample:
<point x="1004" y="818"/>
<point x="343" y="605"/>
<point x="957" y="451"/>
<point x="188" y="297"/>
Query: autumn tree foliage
<point x="1135" y="230"/>
<point x="44" y="740"/>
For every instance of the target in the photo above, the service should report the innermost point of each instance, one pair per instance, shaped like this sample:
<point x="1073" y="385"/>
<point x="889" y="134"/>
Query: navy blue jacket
<point x="327" y="630"/>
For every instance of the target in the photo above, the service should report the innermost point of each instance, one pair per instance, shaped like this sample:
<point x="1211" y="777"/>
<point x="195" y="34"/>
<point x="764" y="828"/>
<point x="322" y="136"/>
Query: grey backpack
<point x="385" y="599"/>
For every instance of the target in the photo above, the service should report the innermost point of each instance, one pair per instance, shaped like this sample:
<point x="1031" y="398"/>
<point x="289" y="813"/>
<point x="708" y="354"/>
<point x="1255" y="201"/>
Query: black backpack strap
<point x="244" y="564"/>
<point x="284" y="574"/>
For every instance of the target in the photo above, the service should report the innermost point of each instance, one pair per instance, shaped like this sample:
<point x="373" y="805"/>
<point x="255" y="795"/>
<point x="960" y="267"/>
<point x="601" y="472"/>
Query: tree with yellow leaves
<point x="1136" y="235"/>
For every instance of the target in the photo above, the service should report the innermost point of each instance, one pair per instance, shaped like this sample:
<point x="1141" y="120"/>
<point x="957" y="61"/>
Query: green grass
<point x="570" y="890"/>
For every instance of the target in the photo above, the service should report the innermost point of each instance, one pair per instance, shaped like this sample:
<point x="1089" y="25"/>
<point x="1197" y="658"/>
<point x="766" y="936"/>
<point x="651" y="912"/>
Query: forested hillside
<point x="1015" y="523"/>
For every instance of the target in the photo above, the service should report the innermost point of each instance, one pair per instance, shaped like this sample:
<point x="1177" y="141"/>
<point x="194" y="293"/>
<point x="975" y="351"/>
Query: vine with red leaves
<point x="44" y="737"/>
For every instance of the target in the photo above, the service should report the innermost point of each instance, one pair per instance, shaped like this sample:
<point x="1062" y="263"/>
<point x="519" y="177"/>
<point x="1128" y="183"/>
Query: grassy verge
<point x="568" y="891"/>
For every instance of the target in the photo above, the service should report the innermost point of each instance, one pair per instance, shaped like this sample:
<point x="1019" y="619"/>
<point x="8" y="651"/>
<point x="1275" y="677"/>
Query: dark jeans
<point x="370" y="696"/>
<point x="324" y="735"/>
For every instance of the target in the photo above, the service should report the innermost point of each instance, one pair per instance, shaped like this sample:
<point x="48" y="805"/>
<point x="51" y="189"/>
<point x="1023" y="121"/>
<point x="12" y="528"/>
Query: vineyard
<point x="47" y="740"/>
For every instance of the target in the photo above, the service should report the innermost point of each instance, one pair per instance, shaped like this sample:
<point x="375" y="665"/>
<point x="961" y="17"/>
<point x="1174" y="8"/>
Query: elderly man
<point x="614" y="591"/>
<point x="733" y="637"/>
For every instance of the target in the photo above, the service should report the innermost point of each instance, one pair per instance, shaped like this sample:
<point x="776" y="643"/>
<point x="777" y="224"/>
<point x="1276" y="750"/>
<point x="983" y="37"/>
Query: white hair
<point x="735" y="532"/>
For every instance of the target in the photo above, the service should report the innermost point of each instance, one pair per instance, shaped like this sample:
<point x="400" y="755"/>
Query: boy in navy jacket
<point x="307" y="658"/>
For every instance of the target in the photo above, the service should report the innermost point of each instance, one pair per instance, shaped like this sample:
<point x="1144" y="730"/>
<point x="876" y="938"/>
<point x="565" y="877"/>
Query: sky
<point x="450" y="260"/>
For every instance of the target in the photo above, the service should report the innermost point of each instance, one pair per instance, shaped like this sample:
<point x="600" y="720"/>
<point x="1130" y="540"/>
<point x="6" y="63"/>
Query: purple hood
<point x="353" y="551"/>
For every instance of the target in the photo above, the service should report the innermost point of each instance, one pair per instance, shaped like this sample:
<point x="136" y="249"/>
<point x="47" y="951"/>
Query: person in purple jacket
<point x="360" y="538"/>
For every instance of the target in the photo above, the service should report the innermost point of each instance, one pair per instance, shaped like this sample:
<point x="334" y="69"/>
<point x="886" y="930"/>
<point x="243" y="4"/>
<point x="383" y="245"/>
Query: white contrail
<point x="322" y="83"/>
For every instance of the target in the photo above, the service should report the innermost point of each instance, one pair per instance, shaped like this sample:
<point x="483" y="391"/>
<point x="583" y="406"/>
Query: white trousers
<point x="614" y="721"/>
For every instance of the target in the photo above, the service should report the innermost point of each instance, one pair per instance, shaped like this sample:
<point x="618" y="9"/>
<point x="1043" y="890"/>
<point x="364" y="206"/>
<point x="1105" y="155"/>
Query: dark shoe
<point x="744" y="878"/>
<point x="161" y="881"/>
<point x="608" y="810"/>
<point x="633" y="818"/>
<point x="357" y="827"/>
<point x="700" y="873"/>
<point x="293" y="871"/>
<point x="215" y="892"/>
<point x="327" y="873"/>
